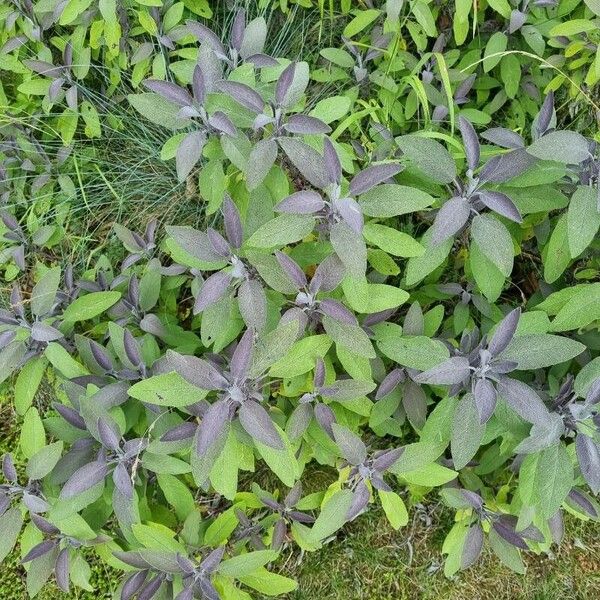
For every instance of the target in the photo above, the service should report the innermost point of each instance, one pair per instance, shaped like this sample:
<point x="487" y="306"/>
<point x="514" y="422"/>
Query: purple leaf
<point x="233" y="222"/>
<point x="41" y="332"/>
<point x="501" y="204"/>
<point x="219" y="243"/>
<point x="505" y="138"/>
<point x="188" y="153"/>
<point x="386" y="460"/>
<point x="472" y="546"/>
<point x="258" y="424"/>
<point x="101" y="356"/>
<point x="299" y="421"/>
<point x="517" y="20"/>
<point x="524" y="401"/>
<point x="8" y="468"/>
<point x="183" y="431"/>
<point x="485" y="399"/>
<point x="44" y="68"/>
<point x="212" y="290"/>
<point x="389" y="383"/>
<point x="333" y="165"/>
<point x="319" y="375"/>
<point x="337" y="311"/>
<point x="39" y="550"/>
<point x="70" y="416"/>
<point x="546" y="113"/>
<point x="452" y="371"/>
<point x="284" y="82"/>
<point x="61" y="570"/>
<point x="122" y="481"/>
<point x="509" y="534"/>
<point x="292" y="270"/>
<point x="204" y="34"/>
<point x="198" y="85"/>
<point x="237" y="29"/>
<point x="470" y="142"/>
<point x="242" y="94"/>
<point x="169" y="91"/>
<point x="242" y="356"/>
<point x="504" y="332"/>
<point x="588" y="457"/>
<point x="305" y="202"/>
<point x="351" y="213"/>
<point x="83" y="479"/>
<point x="325" y="417"/>
<point x="131" y="348"/>
<point x="351" y="446"/>
<point x="252" y="303"/>
<point x="504" y="167"/>
<point x="303" y="124"/>
<point x="221" y="122"/>
<point x="365" y="180"/>
<point x="359" y="501"/>
<point x="133" y="584"/>
<point x="450" y="219"/>
<point x="212" y="426"/>
<point x="109" y="433"/>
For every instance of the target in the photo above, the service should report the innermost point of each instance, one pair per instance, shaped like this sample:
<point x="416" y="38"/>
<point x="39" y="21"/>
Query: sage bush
<point x="394" y="273"/>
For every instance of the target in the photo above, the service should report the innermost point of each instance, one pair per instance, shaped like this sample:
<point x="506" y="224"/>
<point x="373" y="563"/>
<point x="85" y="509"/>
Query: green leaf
<point x="33" y="436"/>
<point x="419" y="267"/>
<point x="494" y="241"/>
<point x="506" y="552"/>
<point x="155" y="536"/>
<point x="44" y="292"/>
<point x="282" y="462"/>
<point x="539" y="350"/>
<point x="177" y="494"/>
<point x="245" y="564"/>
<point x="391" y="200"/>
<point x="90" y="306"/>
<point x="394" y="509"/>
<point x="63" y="362"/>
<point x="573" y="27"/>
<point x="467" y="431"/>
<point x="282" y="230"/>
<point x="581" y="310"/>
<point x="487" y="276"/>
<point x="568" y="147"/>
<point x="156" y="109"/>
<point x="494" y="50"/>
<point x="166" y="389"/>
<point x="583" y="219"/>
<point x="429" y="157"/>
<point x="362" y="20"/>
<point x="10" y="526"/>
<point x="221" y="528"/>
<point x="332" y="516"/>
<point x="301" y="357"/>
<point x="332" y="108"/>
<point x="350" y="336"/>
<point x="27" y="383"/>
<point x="44" y="460"/>
<point x="556" y="255"/>
<point x="267" y="583"/>
<point x="545" y="479"/>
<point x="417" y="352"/>
<point x="432" y="475"/>
<point x="393" y="241"/>
<point x="212" y="184"/>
